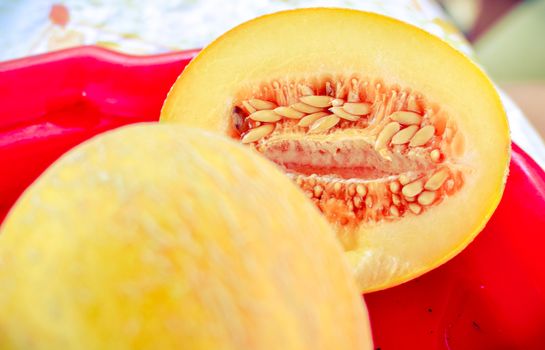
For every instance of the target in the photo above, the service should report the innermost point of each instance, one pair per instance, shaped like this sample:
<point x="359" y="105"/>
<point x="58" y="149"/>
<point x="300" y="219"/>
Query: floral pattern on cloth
<point x="147" y="27"/>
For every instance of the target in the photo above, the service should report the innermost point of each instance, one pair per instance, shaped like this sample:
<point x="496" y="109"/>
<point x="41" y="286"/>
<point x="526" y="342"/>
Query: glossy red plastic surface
<point x="491" y="296"/>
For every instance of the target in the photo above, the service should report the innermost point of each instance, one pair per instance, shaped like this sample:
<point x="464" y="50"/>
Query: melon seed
<point x="412" y="189"/>
<point x="436" y="180"/>
<point x="323" y="124"/>
<point x="258" y="133"/>
<point x="406" y="118"/>
<point x="340" y="112"/>
<point x="288" y="112"/>
<point x="261" y="104"/>
<point x="305" y="108"/>
<point x="426" y="197"/>
<point x="317" y="101"/>
<point x="265" y="116"/>
<point x="404" y="135"/>
<point x="359" y="108"/>
<point x="311" y="118"/>
<point x="386" y="134"/>
<point x="422" y="136"/>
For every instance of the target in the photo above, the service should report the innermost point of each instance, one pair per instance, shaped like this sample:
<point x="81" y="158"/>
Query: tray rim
<point x="100" y="53"/>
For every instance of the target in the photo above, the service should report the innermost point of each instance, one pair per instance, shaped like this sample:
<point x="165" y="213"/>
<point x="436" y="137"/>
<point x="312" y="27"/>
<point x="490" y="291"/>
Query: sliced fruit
<point x="405" y="150"/>
<point x="148" y="238"/>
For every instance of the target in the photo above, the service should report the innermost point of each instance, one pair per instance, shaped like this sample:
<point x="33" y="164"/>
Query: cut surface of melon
<point x="399" y="139"/>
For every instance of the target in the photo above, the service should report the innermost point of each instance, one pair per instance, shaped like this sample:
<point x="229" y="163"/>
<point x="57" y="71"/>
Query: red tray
<point x="491" y="296"/>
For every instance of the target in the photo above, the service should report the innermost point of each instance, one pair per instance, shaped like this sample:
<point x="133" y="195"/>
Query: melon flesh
<point x="399" y="139"/>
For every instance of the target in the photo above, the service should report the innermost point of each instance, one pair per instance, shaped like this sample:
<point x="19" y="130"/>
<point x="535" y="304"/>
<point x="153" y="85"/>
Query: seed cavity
<point x="362" y="151"/>
<point x="238" y="119"/>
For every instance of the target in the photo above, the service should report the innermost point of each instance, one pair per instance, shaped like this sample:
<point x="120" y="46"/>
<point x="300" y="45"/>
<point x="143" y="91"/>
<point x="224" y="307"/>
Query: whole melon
<point x="165" y="237"/>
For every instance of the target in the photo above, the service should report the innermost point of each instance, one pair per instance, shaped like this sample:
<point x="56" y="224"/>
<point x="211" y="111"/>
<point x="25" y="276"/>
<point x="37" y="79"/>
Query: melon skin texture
<point x="163" y="237"/>
<point x="311" y="46"/>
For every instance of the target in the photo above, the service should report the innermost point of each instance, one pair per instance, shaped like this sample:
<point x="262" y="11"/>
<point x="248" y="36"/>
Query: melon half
<point x="399" y="139"/>
<point x="146" y="238"/>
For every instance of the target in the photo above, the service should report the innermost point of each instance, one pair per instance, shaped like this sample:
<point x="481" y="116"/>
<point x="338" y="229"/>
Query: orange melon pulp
<point x="398" y="138"/>
<point x="147" y="238"/>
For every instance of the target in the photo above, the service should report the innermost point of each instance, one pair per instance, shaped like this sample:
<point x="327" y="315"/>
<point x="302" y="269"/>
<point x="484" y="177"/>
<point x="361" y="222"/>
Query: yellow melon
<point x="399" y="139"/>
<point x="162" y="237"/>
